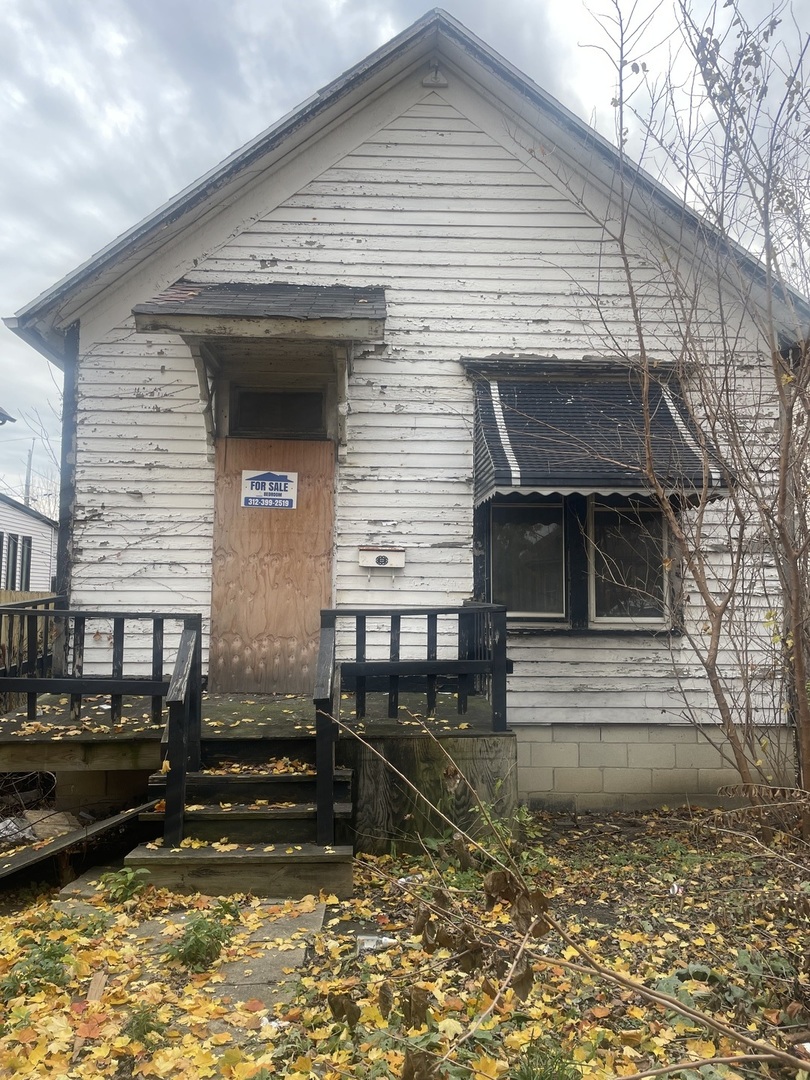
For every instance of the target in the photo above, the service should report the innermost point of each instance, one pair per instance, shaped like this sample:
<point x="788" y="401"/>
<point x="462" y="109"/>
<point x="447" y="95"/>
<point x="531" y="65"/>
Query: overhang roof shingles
<point x="267" y="301"/>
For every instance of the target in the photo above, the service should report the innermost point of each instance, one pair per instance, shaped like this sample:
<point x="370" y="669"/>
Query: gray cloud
<point x="109" y="107"/>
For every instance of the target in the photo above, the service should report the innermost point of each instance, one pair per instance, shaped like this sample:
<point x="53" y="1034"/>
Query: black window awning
<point x="583" y="433"/>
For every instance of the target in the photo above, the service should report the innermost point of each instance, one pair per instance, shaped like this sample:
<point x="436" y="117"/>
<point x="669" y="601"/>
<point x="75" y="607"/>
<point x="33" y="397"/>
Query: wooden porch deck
<point x="27" y="744"/>
<point x="103" y="735"/>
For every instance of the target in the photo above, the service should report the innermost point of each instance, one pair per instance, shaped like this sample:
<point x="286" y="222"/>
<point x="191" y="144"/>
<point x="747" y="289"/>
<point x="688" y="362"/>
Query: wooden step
<point x="265" y="824"/>
<point x="247" y="787"/>
<point x="215" y="751"/>
<point x="291" y="871"/>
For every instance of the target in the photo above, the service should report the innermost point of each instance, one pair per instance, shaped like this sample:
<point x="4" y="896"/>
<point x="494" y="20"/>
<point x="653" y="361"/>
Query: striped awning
<point x="583" y="433"/>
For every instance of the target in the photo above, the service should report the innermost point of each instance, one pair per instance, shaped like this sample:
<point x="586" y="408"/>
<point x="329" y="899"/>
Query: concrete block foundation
<point x="593" y="767"/>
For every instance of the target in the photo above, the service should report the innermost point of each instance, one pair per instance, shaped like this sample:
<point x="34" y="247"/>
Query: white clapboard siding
<point x="480" y="254"/>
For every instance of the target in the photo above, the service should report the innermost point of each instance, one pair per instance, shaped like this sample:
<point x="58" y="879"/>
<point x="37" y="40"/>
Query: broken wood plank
<point x="32" y="855"/>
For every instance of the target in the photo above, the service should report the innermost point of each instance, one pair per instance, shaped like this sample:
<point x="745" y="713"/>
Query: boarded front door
<point x="271" y="569"/>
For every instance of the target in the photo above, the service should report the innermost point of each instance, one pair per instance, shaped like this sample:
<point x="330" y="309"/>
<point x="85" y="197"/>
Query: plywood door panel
<point x="271" y="569"/>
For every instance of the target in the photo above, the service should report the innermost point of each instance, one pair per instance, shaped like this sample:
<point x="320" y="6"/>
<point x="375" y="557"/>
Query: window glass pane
<point x="528" y="559"/>
<point x="628" y="562"/>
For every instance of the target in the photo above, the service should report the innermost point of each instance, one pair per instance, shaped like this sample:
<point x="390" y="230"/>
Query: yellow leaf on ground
<point x="488" y="1068"/>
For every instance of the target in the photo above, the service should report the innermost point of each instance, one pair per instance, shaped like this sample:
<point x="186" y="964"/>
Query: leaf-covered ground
<point x="447" y="964"/>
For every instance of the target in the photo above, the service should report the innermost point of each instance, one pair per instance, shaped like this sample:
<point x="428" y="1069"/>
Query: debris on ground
<point x="596" y="948"/>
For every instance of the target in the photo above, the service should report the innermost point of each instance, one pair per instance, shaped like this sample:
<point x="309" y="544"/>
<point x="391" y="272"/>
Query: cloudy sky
<point x="108" y="107"/>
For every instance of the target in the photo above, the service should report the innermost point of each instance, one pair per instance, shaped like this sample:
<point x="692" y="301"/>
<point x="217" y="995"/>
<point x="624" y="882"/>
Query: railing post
<point x="432" y="654"/>
<point x="180" y="698"/>
<point x="325" y="733"/>
<point x="117" y="668"/>
<point x="78" y="667"/>
<point x="360" y="656"/>
<point x="393" y="655"/>
<point x="466" y="646"/>
<point x="499" y="665"/>
<point x="176" y="754"/>
<point x="157" y="666"/>
<point x="31" y="664"/>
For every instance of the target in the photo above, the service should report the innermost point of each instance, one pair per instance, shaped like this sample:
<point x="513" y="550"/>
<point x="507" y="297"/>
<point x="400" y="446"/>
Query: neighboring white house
<point x="27" y="548"/>
<point x="400" y="271"/>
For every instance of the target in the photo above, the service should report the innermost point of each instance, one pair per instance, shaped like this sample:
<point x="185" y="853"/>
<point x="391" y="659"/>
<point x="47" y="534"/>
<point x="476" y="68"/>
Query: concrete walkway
<point x="276" y="940"/>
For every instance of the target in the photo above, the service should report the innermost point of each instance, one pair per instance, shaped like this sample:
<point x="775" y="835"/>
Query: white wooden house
<point x="372" y="310"/>
<point x="27" y="548"/>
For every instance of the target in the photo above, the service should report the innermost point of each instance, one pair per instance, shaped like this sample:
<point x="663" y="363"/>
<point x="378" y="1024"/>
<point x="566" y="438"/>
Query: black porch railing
<point x="47" y="644"/>
<point x="26" y="642"/>
<point x="475" y="634"/>
<point x="44" y="651"/>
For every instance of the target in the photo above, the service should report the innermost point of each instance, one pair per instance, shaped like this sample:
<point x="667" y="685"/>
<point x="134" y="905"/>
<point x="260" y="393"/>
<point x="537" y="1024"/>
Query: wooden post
<point x="432" y="654"/>
<point x="499" y="668"/>
<point x="157" y="667"/>
<point x="78" y="666"/>
<point x="393" y="655"/>
<point x="360" y="655"/>
<point x="177" y="751"/>
<point x="195" y="700"/>
<point x="31" y="662"/>
<point x="325" y="733"/>
<point x="117" y="668"/>
<point x="180" y="699"/>
<point x="466" y="629"/>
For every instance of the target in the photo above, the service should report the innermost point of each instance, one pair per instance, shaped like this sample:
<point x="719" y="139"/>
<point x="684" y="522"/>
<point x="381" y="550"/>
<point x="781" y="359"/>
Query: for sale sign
<point x="269" y="490"/>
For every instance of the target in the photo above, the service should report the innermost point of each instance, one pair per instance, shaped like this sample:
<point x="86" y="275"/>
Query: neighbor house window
<point x="25" y="563"/>
<point x="11" y="561"/>
<point x="579" y="561"/>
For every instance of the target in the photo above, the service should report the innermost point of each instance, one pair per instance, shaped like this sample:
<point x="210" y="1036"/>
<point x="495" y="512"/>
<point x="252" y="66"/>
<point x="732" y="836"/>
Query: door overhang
<point x="237" y="310"/>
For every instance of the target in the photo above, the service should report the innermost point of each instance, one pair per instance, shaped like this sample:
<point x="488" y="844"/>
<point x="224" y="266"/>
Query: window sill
<point x="539" y="630"/>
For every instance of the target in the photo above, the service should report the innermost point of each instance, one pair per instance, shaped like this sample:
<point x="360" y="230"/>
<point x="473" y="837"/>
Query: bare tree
<point x="724" y="122"/>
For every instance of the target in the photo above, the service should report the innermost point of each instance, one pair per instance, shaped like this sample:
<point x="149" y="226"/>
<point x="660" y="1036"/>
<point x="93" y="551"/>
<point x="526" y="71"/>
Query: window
<point x="11" y="561"/>
<point x="628" y="564"/>
<point x="277" y="414"/>
<point x="25" y="563"/>
<point x="528" y="559"/>
<point x="579" y="561"/>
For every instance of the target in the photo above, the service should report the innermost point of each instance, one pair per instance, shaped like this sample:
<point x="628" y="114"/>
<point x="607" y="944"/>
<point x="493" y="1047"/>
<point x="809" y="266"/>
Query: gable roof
<point x="42" y="322"/>
<point x="29" y="511"/>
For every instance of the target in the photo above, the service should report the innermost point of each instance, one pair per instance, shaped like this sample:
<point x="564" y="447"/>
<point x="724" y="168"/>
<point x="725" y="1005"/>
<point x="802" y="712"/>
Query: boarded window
<point x="277" y="414"/>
